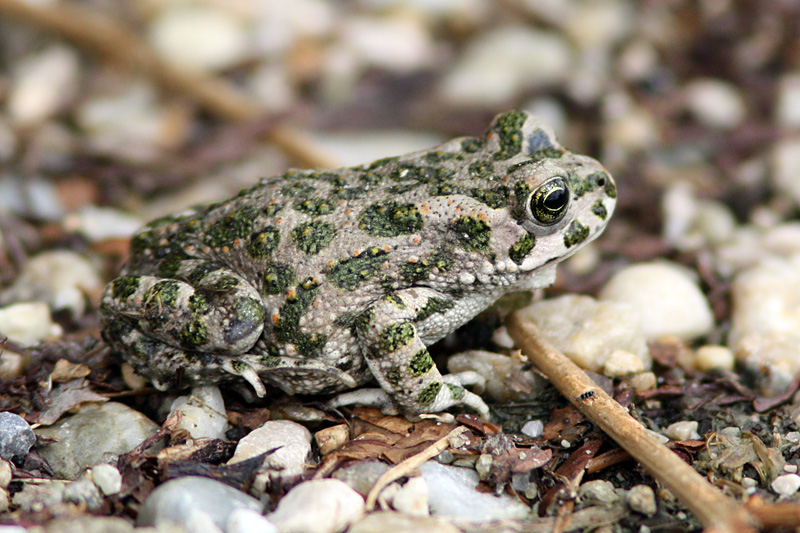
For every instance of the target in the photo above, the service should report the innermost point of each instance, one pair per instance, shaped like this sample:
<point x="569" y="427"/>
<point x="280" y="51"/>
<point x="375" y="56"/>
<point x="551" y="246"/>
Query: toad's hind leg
<point x="210" y="310"/>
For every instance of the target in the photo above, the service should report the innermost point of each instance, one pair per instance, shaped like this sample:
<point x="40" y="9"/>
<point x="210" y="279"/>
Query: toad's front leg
<point x="401" y="363"/>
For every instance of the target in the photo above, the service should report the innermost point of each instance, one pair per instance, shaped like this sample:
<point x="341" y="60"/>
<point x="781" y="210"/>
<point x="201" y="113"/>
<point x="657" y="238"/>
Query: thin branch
<point x="106" y="37"/>
<point x="712" y="508"/>
<point x="415" y="461"/>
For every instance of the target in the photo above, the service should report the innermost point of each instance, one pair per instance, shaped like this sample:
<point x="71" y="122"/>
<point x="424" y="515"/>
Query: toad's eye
<point x="548" y="203"/>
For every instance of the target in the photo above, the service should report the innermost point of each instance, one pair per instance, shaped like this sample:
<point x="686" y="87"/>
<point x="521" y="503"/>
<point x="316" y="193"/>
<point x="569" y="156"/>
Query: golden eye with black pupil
<point x="548" y="203"/>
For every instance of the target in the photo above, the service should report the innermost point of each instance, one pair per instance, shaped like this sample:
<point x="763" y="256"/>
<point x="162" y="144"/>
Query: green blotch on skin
<point x="481" y="169"/>
<point x="396" y="336"/>
<point x="313" y="237"/>
<point x="494" y="198"/>
<point x="142" y="242"/>
<point x="313" y="206"/>
<point x="522" y="192"/>
<point x="235" y="225"/>
<point x="395" y="301"/>
<point x="420" y="270"/>
<point x="203" y="269"/>
<point x="610" y="189"/>
<point x="471" y="145"/>
<point x="473" y="234"/>
<point x="428" y="395"/>
<point x="224" y="283"/>
<point x="600" y="210"/>
<point x="443" y="189"/>
<point x="422" y="174"/>
<point x="124" y="287"/>
<point x="456" y="392"/>
<point x="421" y="362"/>
<point x="272" y="209"/>
<point x="277" y="278"/>
<point x="390" y="219"/>
<point x="287" y="326"/>
<point x="353" y="271"/>
<point x="508" y="126"/>
<point x="264" y="242"/>
<point x="434" y="306"/>
<point x="198" y="304"/>
<point x="270" y="361"/>
<point x="540" y="146"/>
<point x="164" y="293"/>
<point x="250" y="311"/>
<point x="437" y="156"/>
<point x="394" y="377"/>
<point x="575" y="234"/>
<point x="194" y="334"/>
<point x="522" y="248"/>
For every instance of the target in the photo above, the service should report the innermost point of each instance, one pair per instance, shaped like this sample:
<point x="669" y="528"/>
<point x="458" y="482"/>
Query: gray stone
<point x="16" y="436"/>
<point x="188" y="501"/>
<point x="401" y="523"/>
<point x="361" y="475"/>
<point x="318" y="506"/>
<point x="642" y="499"/>
<point x="93" y="434"/>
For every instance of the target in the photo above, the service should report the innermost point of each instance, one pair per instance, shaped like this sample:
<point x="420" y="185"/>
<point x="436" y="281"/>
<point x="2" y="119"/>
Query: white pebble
<point x="786" y="484"/>
<point x="398" y="44"/>
<point x="61" y="278"/>
<point x="621" y="364"/>
<point x="589" y="331"/>
<point x="412" y="498"/>
<point x="498" y="65"/>
<point x="199" y="37"/>
<point x="748" y="482"/>
<point x="245" y="520"/>
<point x="288" y="461"/>
<point x="203" y="413"/>
<point x="787" y="108"/>
<point x="784" y="161"/>
<point x="533" y="428"/>
<point x="102" y="223"/>
<point x="107" y="478"/>
<point x="643" y="381"/>
<point x="665" y="297"/>
<point x="318" y="506"/>
<point x="715" y="103"/>
<point x="765" y="318"/>
<point x="790" y="468"/>
<point x="714" y="357"/>
<point x="642" y="499"/>
<point x="43" y="84"/>
<point x="684" y="430"/>
<point x="27" y="323"/>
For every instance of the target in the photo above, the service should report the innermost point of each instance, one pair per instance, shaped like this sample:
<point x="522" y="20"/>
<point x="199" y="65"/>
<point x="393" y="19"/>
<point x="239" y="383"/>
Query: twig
<point x="404" y="467"/>
<point x="105" y="36"/>
<point x="714" y="510"/>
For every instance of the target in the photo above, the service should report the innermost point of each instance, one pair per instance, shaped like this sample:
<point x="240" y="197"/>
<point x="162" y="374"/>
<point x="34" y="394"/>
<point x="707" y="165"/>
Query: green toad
<point x="319" y="281"/>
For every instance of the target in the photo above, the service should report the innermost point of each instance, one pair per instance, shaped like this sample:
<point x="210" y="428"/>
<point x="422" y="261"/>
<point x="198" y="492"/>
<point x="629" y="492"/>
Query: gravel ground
<point x="688" y="307"/>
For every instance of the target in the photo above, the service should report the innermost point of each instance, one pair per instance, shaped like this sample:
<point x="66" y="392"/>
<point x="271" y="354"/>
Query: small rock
<point x="533" y="428"/>
<point x="102" y="223"/>
<point x="37" y="497"/>
<point x="643" y="381"/>
<point x="16" y="436"/>
<point x="199" y="37"/>
<point x="43" y="84"/>
<point x="765" y="320"/>
<point x="508" y="379"/>
<point x="6" y="473"/>
<point x="89" y="524"/>
<point x="665" y="297"/>
<point x="318" y="506"/>
<point x="246" y="520"/>
<point x="5" y="503"/>
<point x="107" y="478"/>
<point x="287" y="462"/>
<point x="175" y="502"/>
<point x="380" y="522"/>
<point x="787" y="108"/>
<point x="598" y="490"/>
<point x="361" y="475"/>
<point x="453" y="493"/>
<point x="27" y="323"/>
<point x="412" y="498"/>
<point x="642" y="499"/>
<point x="355" y="148"/>
<point x="88" y="437"/>
<point x="715" y="103"/>
<point x="331" y="438"/>
<point x="684" y="430"/>
<point x="395" y="43"/>
<point x="8" y="141"/>
<point x="83" y="491"/>
<point x="61" y="278"/>
<point x="498" y="65"/>
<point x="203" y="413"/>
<point x="589" y="331"/>
<point x="12" y="364"/>
<point x="621" y="364"/>
<point x="714" y="357"/>
<point x="784" y="161"/>
<point x="786" y="484"/>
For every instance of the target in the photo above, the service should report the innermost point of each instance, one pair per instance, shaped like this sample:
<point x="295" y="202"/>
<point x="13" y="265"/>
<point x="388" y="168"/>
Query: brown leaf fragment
<point x="250" y="419"/>
<point x="65" y="371"/>
<point x="66" y="397"/>
<point x="762" y="404"/>
<point x="563" y="424"/>
<point x="569" y="476"/>
<point x="504" y="460"/>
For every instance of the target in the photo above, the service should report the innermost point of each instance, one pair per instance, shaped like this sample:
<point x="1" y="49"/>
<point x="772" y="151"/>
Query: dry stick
<point x="404" y="467"/>
<point x="105" y="36"/>
<point x="713" y="509"/>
